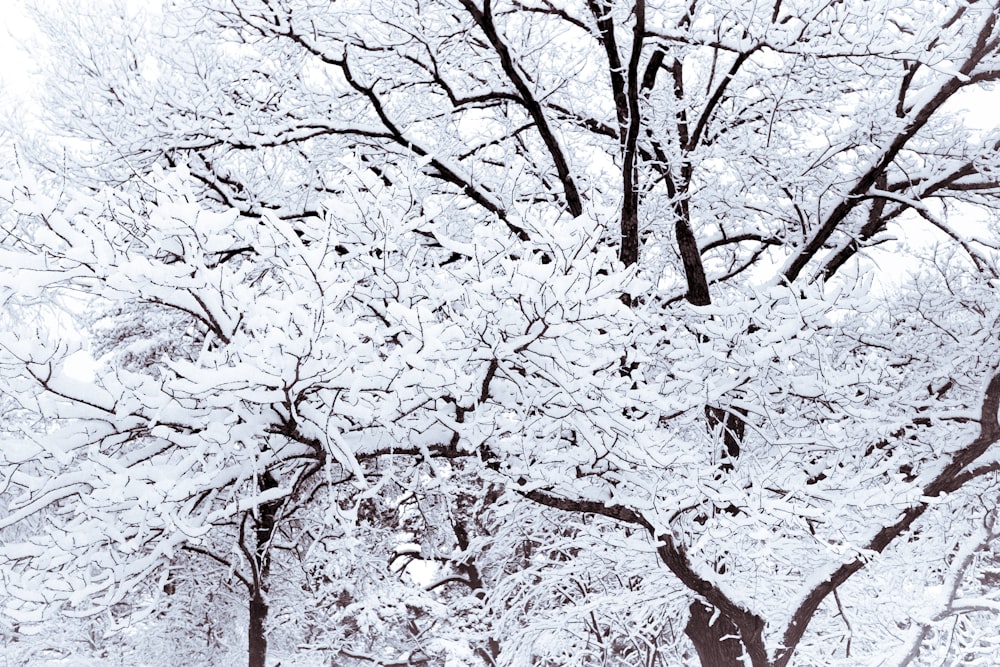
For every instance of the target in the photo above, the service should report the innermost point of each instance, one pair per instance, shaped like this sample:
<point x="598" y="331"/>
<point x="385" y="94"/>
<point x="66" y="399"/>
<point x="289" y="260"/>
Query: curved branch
<point x="751" y="625"/>
<point x="951" y="478"/>
<point x="222" y="561"/>
<point x="740" y="238"/>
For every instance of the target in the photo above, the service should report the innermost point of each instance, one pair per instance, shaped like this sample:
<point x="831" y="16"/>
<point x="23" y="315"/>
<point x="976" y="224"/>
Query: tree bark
<point x="694" y="270"/>
<point x="629" y="252"/>
<point x="267" y="515"/>
<point x="715" y="637"/>
<point x="257" y="631"/>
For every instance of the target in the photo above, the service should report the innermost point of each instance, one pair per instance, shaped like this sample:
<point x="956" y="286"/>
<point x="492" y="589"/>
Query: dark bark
<point x="257" y="630"/>
<point x="260" y="562"/>
<point x="687" y="243"/>
<point x="949" y="480"/>
<point x="713" y="102"/>
<point x="875" y="223"/>
<point x="694" y="269"/>
<point x="733" y="430"/>
<point x="484" y="19"/>
<point x="606" y="36"/>
<point x="395" y="134"/>
<point x="715" y="637"/>
<point x="748" y="626"/>
<point x="629" y="252"/>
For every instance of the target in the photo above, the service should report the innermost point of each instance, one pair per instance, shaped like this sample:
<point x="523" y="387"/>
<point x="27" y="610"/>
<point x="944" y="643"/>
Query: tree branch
<point x="984" y="46"/>
<point x="484" y="19"/>
<point x="951" y="478"/>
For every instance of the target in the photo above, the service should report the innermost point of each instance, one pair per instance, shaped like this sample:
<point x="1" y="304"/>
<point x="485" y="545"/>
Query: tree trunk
<point x="717" y="641"/>
<point x="694" y="270"/>
<point x="256" y="628"/>
<point x="267" y="515"/>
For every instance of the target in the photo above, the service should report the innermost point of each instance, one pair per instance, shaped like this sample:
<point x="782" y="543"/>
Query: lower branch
<point x="950" y="479"/>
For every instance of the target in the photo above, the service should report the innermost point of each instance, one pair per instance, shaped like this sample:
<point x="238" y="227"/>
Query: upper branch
<point x="445" y="171"/>
<point x="986" y="44"/>
<point x="606" y="36"/>
<point x="716" y="98"/>
<point x="629" y="252"/>
<point x="484" y="19"/>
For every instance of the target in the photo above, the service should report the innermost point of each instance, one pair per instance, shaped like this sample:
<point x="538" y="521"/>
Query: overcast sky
<point x="14" y="63"/>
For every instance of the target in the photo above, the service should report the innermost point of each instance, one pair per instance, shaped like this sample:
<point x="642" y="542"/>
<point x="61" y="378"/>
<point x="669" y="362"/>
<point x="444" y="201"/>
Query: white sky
<point x="15" y="65"/>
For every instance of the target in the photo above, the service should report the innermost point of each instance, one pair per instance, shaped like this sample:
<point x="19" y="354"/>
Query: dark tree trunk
<point x="717" y="641"/>
<point x="267" y="515"/>
<point x="629" y="252"/>
<point x="694" y="270"/>
<point x="256" y="628"/>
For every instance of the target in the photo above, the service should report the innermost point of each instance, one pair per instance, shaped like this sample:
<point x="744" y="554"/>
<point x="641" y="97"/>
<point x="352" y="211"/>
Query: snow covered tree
<point x="625" y="261"/>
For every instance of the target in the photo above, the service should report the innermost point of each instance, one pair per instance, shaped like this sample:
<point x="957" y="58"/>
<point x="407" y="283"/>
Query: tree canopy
<point x="510" y="333"/>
